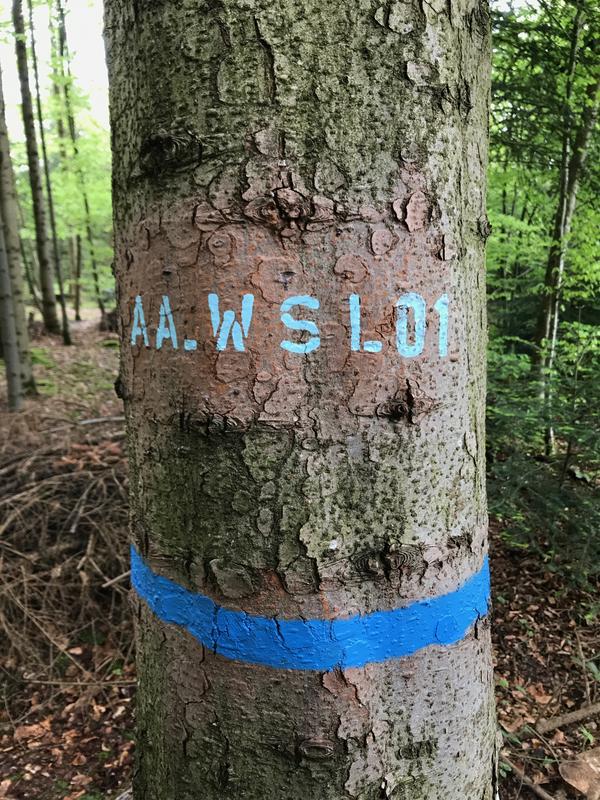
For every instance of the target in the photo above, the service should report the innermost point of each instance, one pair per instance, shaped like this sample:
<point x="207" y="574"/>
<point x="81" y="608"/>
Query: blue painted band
<point x="315" y="644"/>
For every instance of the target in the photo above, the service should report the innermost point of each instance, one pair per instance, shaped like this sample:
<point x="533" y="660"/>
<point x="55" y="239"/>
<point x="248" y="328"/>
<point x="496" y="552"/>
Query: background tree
<point x="8" y="331"/>
<point x="48" y="181"/>
<point x="64" y="56"/>
<point x="35" y="178"/>
<point x="544" y="278"/>
<point x="328" y="154"/>
<point x="10" y="212"/>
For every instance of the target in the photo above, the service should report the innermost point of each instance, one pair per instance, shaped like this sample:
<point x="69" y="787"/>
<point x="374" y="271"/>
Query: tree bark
<point x="299" y="195"/>
<point x="8" y="330"/>
<point x="30" y="273"/>
<point x="66" y="335"/>
<point x="10" y="214"/>
<point x="76" y="263"/>
<point x="35" y="177"/>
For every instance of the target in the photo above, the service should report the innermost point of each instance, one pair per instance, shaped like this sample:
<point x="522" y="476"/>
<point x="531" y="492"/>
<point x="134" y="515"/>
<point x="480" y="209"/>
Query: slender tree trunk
<point x="547" y="333"/>
<point x="55" y="244"/>
<point x="8" y="330"/>
<point x="30" y="275"/>
<point x="58" y="83"/>
<point x="10" y="214"/>
<point x="64" y="51"/>
<point x="35" y="178"/>
<point x="77" y="284"/>
<point x="574" y="154"/>
<point x="59" y="80"/>
<point x="555" y="262"/>
<point x="300" y="224"/>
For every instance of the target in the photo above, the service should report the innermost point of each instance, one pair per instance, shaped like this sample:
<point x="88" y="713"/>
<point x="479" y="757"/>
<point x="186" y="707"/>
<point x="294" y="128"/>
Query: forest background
<point x="64" y="631"/>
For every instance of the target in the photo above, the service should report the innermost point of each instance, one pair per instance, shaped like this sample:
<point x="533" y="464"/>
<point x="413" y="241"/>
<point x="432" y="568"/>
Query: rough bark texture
<point x="326" y="150"/>
<point x="10" y="214"/>
<point x="35" y="175"/>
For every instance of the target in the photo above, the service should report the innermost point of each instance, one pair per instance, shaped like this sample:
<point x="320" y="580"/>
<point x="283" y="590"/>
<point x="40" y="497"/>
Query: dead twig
<point x="63" y="536"/>
<point x="85" y="423"/>
<point x="118" y="579"/>
<point x="535" y="788"/>
<point x="82" y="684"/>
<point x="545" y="726"/>
<point x="583" y="663"/>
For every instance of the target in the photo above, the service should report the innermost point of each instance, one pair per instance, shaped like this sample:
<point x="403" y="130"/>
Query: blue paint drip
<point x="315" y="644"/>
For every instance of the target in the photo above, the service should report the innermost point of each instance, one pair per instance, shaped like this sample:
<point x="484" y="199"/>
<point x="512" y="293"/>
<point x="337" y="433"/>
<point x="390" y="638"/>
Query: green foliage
<point x="546" y="501"/>
<point x="40" y="355"/>
<point x="549" y="505"/>
<point x="71" y="172"/>
<point x="542" y="80"/>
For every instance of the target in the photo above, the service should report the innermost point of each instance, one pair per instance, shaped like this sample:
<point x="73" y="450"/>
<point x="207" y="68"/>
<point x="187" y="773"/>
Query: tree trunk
<point x="567" y="185"/>
<point x="299" y="196"/>
<point x="572" y="168"/>
<point x="64" y="52"/>
<point x="35" y="178"/>
<point x="30" y="273"/>
<point x="8" y="330"/>
<point x="10" y="214"/>
<point x="55" y="244"/>
<point x="77" y="284"/>
<point x="575" y="144"/>
<point x="58" y="83"/>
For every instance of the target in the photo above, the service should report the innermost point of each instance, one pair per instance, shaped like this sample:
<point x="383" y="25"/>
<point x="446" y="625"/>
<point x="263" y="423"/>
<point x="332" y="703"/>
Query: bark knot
<point x="169" y="151"/>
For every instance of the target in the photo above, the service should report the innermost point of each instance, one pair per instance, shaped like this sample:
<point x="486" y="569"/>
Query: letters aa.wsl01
<point x="411" y="325"/>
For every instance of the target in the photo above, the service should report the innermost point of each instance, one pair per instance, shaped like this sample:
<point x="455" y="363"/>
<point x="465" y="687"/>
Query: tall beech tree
<point x="9" y="207"/>
<point x="35" y="175"/>
<point x="299" y="195"/>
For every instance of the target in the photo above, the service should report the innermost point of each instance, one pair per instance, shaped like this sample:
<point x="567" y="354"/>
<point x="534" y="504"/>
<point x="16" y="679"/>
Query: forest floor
<point x="66" y="668"/>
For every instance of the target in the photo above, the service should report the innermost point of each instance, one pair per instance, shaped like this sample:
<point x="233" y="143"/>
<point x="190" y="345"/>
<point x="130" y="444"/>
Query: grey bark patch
<point x="233" y="580"/>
